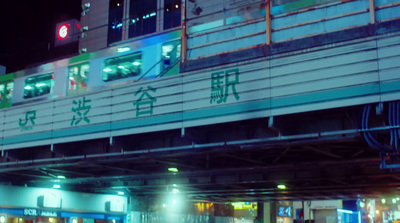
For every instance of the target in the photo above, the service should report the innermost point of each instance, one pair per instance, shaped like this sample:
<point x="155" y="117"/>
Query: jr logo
<point x="29" y="116"/>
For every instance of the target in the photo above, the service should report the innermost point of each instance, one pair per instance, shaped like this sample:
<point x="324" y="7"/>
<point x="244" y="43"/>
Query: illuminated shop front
<point x="49" y="205"/>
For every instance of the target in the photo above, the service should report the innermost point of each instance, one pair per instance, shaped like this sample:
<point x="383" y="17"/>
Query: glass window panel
<point x="171" y="54"/>
<point x="77" y="78"/>
<point x="142" y="17"/>
<point x="38" y="85"/>
<point x="115" y="15"/>
<point x="172" y="13"/>
<point x="122" y="67"/>
<point x="6" y="92"/>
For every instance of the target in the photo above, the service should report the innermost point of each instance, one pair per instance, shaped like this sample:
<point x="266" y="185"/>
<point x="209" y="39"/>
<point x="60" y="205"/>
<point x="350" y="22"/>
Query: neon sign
<point x="63" y="31"/>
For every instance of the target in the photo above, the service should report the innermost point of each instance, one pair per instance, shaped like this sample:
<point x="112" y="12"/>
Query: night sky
<point x="28" y="31"/>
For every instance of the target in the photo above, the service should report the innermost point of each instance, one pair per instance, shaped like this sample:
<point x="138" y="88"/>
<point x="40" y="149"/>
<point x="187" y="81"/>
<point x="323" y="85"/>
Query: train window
<point x="171" y="53"/>
<point x="122" y="67"/>
<point x="6" y="90"/>
<point x="38" y="85"/>
<point x="77" y="78"/>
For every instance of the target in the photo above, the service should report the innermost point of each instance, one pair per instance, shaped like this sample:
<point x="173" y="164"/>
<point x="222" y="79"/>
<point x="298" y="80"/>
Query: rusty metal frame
<point x="372" y="11"/>
<point x="184" y="40"/>
<point x="268" y="21"/>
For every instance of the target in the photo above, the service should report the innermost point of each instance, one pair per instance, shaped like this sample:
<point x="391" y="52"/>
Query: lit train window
<point x="171" y="53"/>
<point x="122" y="67"/>
<point x="6" y="92"/>
<point x="77" y="78"/>
<point x="38" y="85"/>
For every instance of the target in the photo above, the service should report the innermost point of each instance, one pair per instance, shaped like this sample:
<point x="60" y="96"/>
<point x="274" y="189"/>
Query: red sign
<point x="62" y="31"/>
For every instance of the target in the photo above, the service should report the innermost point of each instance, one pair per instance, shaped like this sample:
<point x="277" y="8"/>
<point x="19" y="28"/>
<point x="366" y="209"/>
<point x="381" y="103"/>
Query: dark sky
<point x="28" y="30"/>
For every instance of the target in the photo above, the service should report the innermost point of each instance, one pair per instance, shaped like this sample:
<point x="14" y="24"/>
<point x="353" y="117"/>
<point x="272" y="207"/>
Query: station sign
<point x="42" y="213"/>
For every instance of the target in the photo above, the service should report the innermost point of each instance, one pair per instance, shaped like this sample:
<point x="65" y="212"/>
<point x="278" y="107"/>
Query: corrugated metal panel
<point x="223" y="26"/>
<point x="343" y="74"/>
<point x="389" y="67"/>
<point x="80" y="111"/>
<point x="18" y="121"/>
<point x="319" y="20"/>
<point x="388" y="13"/>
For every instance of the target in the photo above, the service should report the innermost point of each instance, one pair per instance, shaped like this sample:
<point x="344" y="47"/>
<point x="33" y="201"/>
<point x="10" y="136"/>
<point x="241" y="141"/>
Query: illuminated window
<point x="171" y="53"/>
<point x="122" y="67"/>
<point x="6" y="92"/>
<point x="77" y="78"/>
<point x="115" y="15"/>
<point x="38" y="85"/>
<point x="142" y="17"/>
<point x="172" y="13"/>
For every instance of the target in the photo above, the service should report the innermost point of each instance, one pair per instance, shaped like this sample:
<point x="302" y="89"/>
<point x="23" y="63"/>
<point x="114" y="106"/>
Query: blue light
<point x="119" y="25"/>
<point x="344" y="211"/>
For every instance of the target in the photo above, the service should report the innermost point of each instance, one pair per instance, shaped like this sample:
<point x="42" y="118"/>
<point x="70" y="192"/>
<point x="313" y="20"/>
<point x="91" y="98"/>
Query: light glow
<point x="173" y="169"/>
<point x="121" y="193"/>
<point x="107" y="69"/>
<point x="61" y="177"/>
<point x="383" y="200"/>
<point x="40" y="85"/>
<point x="136" y="63"/>
<point x="281" y="186"/>
<point x="175" y="191"/>
<point x="123" y="49"/>
<point x="63" y="31"/>
<point x="345" y="211"/>
<point x="56" y="186"/>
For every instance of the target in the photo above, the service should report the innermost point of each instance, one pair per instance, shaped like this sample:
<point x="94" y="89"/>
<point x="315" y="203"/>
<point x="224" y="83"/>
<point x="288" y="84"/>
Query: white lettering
<point x="48" y="214"/>
<point x="30" y="212"/>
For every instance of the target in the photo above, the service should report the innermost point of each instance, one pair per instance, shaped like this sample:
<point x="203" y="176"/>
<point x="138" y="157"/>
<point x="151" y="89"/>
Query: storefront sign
<point x="36" y="212"/>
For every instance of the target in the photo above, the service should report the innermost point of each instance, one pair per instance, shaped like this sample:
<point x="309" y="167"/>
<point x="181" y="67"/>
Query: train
<point x="211" y="34"/>
<point x="148" y="58"/>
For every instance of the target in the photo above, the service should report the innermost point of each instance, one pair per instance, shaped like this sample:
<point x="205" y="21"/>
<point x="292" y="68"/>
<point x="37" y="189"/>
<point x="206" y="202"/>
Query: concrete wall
<point x="96" y="20"/>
